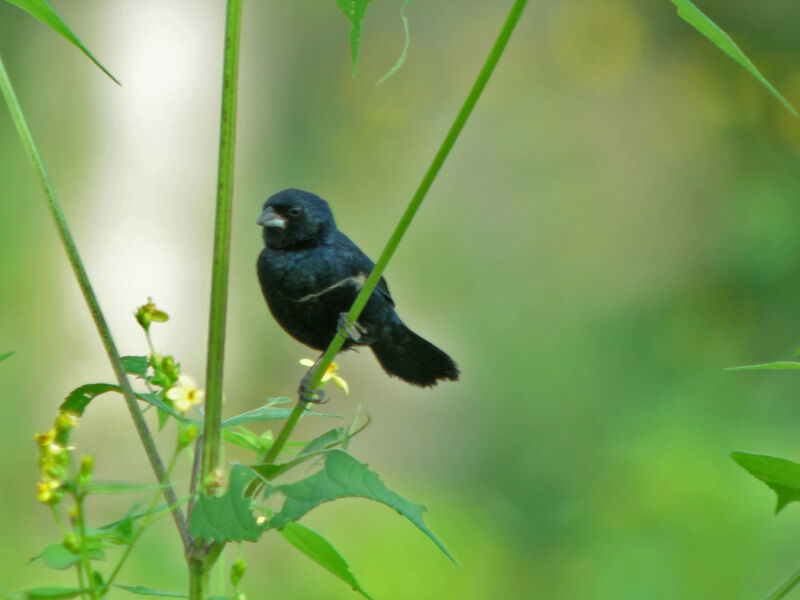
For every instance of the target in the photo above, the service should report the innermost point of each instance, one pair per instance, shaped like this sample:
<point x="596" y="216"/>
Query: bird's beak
<point x="269" y="218"/>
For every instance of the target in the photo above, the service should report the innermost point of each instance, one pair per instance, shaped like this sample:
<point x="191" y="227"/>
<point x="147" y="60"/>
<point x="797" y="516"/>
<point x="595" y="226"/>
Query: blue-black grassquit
<point x="310" y="273"/>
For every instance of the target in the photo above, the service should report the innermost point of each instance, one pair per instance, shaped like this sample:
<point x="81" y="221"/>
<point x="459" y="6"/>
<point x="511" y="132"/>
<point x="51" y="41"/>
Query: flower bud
<point x="47" y="491"/>
<point x="148" y="313"/>
<point x="187" y="434"/>
<point x="72" y="543"/>
<point x="85" y="473"/>
<point x="237" y="571"/>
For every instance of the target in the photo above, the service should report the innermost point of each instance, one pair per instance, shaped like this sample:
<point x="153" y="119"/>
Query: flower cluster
<point x="54" y="457"/>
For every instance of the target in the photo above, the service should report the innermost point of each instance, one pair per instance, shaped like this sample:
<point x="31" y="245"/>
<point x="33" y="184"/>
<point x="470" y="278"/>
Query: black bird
<point x="310" y="273"/>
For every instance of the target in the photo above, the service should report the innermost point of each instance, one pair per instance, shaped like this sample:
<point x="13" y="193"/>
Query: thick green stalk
<point x="91" y="300"/>
<point x="222" y="241"/>
<point x="408" y="216"/>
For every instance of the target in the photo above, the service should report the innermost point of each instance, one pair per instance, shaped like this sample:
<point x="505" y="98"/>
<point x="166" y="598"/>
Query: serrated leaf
<point x="54" y="593"/>
<point x="773" y="366"/>
<point x="136" y="365"/>
<point x="45" y="13"/>
<point x="320" y="550"/>
<point x="354" y="10"/>
<point x="5" y="355"/>
<point x="228" y="517"/>
<point x="406" y="44"/>
<point x="781" y="475"/>
<point x="79" y="398"/>
<point x="697" y="19"/>
<point x="344" y="476"/>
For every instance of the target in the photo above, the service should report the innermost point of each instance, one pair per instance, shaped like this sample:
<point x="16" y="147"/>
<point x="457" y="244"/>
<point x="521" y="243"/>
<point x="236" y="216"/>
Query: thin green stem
<point x="786" y="587"/>
<point x="146" y="522"/>
<point x="81" y="526"/>
<point x="91" y="300"/>
<point x="424" y="186"/>
<point x="222" y="240"/>
<point x="408" y="216"/>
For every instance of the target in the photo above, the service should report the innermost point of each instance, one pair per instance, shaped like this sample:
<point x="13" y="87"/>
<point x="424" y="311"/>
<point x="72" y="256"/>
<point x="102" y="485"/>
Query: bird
<point x="310" y="274"/>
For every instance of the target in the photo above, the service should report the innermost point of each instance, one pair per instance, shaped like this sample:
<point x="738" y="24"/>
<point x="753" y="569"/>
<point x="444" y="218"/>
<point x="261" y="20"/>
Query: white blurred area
<point x="148" y="204"/>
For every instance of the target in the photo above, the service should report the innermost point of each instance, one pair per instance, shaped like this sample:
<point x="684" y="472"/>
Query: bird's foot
<point x="353" y="331"/>
<point x="307" y="393"/>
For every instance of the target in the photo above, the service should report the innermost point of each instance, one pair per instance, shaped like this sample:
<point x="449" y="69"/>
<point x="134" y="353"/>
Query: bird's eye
<point x="295" y="210"/>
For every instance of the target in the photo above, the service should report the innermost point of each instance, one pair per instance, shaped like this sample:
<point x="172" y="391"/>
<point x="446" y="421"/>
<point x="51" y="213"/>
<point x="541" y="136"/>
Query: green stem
<point x="424" y="186"/>
<point x="81" y="525"/>
<point x="786" y="587"/>
<point x="408" y="216"/>
<point x="91" y="300"/>
<point x="222" y="240"/>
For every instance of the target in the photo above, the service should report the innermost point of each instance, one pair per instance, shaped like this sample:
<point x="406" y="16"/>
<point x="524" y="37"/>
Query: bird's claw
<point x="354" y="331"/>
<point x="308" y="394"/>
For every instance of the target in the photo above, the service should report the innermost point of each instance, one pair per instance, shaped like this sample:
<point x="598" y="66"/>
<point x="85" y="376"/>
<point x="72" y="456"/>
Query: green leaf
<point x="270" y="412"/>
<point x="407" y="43"/>
<point x="227" y="517"/>
<point x="320" y="550"/>
<point x="154" y="400"/>
<point x="5" y="355"/>
<point x="245" y="438"/>
<point x="57" y="556"/>
<point x="136" y="365"/>
<point x="316" y="447"/>
<point x="344" y="476"/>
<point x="54" y="593"/>
<point x="146" y="591"/>
<point x="45" y="13"/>
<point x="119" y="487"/>
<point x="354" y="10"/>
<point x="773" y="366"/>
<point x="79" y="398"/>
<point x="327" y="440"/>
<point x="695" y="17"/>
<point x="781" y="475"/>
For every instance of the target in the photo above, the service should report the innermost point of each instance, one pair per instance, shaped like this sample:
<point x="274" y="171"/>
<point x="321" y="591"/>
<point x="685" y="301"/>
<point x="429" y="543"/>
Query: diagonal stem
<point x="436" y="165"/>
<point x="91" y="300"/>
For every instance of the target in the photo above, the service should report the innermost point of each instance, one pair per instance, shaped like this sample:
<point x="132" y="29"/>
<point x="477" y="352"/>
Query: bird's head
<point x="295" y="218"/>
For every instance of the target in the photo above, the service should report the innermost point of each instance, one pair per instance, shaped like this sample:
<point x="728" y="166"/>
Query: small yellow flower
<point x="45" y="438"/>
<point x="184" y="394"/>
<point x="45" y="490"/>
<point x="329" y="375"/>
<point x="65" y="421"/>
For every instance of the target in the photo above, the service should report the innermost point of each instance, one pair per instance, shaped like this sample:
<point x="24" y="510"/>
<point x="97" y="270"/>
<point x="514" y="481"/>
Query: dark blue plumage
<point x="310" y="273"/>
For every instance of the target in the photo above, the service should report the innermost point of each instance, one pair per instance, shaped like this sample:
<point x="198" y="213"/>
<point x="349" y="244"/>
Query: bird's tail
<point x="414" y="359"/>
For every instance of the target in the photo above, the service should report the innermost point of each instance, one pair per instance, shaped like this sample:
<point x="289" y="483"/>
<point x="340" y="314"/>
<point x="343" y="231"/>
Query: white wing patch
<point x="357" y="280"/>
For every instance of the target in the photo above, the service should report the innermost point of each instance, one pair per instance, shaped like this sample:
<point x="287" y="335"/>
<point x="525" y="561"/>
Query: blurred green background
<point x="617" y="224"/>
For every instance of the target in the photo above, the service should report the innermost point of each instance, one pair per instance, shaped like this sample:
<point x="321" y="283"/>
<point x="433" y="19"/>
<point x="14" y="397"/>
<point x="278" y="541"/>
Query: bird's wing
<point x="359" y="263"/>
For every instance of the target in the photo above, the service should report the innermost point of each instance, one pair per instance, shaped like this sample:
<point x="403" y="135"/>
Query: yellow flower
<point x="45" y="438"/>
<point x="45" y="490"/>
<point x="184" y="394"/>
<point x="329" y="375"/>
